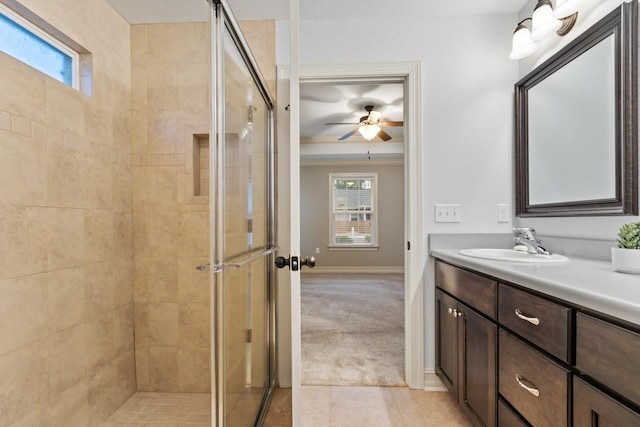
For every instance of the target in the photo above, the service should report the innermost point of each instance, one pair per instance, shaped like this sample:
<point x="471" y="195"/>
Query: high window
<point x="28" y="43"/>
<point x="353" y="216"/>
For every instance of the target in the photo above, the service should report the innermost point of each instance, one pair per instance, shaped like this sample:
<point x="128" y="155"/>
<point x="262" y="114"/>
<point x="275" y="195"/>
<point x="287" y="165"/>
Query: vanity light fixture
<point x="544" y="21"/>
<point x="369" y="131"/>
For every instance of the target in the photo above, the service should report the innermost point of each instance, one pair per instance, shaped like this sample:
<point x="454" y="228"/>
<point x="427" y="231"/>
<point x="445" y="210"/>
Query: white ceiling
<point x="148" y="11"/>
<point x="321" y="103"/>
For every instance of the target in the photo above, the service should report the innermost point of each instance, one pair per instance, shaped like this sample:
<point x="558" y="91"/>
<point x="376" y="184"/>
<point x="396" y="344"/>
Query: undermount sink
<point x="513" y="256"/>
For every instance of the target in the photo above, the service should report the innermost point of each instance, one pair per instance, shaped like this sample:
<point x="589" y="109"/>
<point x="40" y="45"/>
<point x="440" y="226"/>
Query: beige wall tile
<point x="163" y="369"/>
<point x="162" y="87"/>
<point x="67" y="298"/>
<point x="141" y="324"/>
<point x="5" y="121"/>
<point x="66" y="177"/>
<point x="99" y="236"/>
<point x="21" y="125"/>
<point x="155" y="188"/>
<point x="195" y="370"/>
<point x="71" y="408"/>
<point x="155" y="234"/>
<point x="142" y="368"/>
<point x="122" y="189"/>
<point x="193" y="80"/>
<point x="99" y="342"/>
<point x="65" y="107"/>
<point x="98" y="281"/>
<point x="122" y="282"/>
<point x="194" y="285"/>
<point x="193" y="235"/>
<point x="195" y="44"/>
<point x="39" y="417"/>
<point x="23" y="245"/>
<point x="195" y="326"/>
<point x="163" y="324"/>
<point x="66" y="359"/>
<point x="103" y="394"/>
<point x="25" y="384"/>
<point x="65" y="231"/>
<point x="123" y="234"/>
<point x="23" y="170"/>
<point x="23" y="89"/>
<point x="139" y="131"/>
<point x="126" y="376"/>
<point x="23" y="311"/>
<point x="138" y="46"/>
<point x="156" y="279"/>
<point x="162" y="134"/>
<point x="98" y="186"/>
<point x="163" y="43"/>
<point x="123" y="331"/>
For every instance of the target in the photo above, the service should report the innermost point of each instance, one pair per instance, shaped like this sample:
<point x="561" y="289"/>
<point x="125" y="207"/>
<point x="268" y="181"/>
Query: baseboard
<point x="354" y="270"/>
<point x="432" y="382"/>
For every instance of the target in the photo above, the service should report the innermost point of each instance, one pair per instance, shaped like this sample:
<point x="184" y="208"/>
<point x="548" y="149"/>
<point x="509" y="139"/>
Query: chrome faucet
<point x="529" y="238"/>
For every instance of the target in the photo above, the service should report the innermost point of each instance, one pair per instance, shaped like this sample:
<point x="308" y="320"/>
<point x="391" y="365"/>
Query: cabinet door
<point x="478" y="394"/>
<point x="447" y="341"/>
<point x="593" y="408"/>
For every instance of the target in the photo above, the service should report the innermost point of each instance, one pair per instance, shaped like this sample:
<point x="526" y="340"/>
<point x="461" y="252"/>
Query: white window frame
<point x="29" y="26"/>
<point x="373" y="245"/>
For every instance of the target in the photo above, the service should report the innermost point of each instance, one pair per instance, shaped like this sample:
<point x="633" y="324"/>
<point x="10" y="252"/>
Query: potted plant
<point x="626" y="257"/>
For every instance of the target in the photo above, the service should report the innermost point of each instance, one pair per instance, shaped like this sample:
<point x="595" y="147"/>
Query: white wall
<point x="587" y="227"/>
<point x="467" y="107"/>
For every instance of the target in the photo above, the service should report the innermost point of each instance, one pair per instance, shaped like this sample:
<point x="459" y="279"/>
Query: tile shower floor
<point x="163" y="410"/>
<point x="322" y="406"/>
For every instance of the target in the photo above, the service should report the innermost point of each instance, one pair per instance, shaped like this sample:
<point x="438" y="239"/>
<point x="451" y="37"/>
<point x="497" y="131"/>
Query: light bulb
<point x="543" y="22"/>
<point x="369" y="131"/>
<point x="523" y="46"/>
<point x="566" y="8"/>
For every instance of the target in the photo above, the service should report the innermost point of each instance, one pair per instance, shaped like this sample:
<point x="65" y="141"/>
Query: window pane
<point x="352" y="229"/>
<point x="27" y="47"/>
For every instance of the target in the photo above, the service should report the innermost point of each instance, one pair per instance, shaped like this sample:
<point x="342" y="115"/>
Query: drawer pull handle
<point x="530" y="388"/>
<point x="532" y="320"/>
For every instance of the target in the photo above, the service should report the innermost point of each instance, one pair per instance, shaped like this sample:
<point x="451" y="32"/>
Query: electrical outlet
<point x="448" y="213"/>
<point x="317" y="250"/>
<point x="503" y="212"/>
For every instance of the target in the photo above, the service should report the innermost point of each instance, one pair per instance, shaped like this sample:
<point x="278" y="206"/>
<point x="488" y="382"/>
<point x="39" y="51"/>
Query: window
<point x="24" y="41"/>
<point x="353" y="216"/>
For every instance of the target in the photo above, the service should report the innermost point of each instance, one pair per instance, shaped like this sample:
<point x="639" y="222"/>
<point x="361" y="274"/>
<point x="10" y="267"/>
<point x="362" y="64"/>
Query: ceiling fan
<point x="369" y="126"/>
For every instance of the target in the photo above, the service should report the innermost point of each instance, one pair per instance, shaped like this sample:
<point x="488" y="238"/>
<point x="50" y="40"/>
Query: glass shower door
<point x="243" y="124"/>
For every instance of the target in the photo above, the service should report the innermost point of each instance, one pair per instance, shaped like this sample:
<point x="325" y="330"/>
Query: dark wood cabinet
<point x="512" y="357"/>
<point x="593" y="408"/>
<point x="466" y="357"/>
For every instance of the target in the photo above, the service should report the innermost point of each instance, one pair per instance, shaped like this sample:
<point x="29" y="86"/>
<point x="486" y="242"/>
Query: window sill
<point x="354" y="248"/>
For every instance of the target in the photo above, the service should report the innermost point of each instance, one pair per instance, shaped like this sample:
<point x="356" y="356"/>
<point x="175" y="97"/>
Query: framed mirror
<point x="577" y="125"/>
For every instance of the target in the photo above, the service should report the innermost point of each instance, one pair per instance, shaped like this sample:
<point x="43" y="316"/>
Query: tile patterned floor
<point x="163" y="410"/>
<point x="322" y="406"/>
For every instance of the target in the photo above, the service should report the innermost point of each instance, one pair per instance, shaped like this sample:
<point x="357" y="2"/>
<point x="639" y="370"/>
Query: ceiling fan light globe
<point x="369" y="132"/>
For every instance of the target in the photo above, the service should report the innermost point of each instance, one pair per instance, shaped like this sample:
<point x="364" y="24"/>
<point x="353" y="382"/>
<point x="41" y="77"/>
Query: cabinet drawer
<point x="593" y="407"/>
<point x="477" y="291"/>
<point x="544" y="323"/>
<point x="507" y="417"/>
<point x="522" y="367"/>
<point x="609" y="354"/>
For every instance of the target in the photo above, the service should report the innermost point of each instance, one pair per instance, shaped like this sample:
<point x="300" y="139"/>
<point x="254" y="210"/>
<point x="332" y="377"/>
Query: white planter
<point x="626" y="260"/>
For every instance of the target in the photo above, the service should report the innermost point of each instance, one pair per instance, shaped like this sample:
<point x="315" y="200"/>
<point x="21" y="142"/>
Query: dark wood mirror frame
<point x="623" y="22"/>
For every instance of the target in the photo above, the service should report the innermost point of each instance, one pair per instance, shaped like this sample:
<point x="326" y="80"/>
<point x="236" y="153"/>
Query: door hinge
<point x="249" y="335"/>
<point x="408" y="246"/>
<point x="250" y="225"/>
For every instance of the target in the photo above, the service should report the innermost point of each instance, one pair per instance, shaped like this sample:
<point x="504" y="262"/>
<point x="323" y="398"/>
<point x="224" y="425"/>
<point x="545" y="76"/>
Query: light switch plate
<point x="503" y="212"/>
<point x="448" y="213"/>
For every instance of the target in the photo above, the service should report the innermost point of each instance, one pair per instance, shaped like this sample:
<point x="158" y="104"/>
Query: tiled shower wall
<point x="170" y="103"/>
<point x="170" y="223"/>
<point x="66" y="310"/>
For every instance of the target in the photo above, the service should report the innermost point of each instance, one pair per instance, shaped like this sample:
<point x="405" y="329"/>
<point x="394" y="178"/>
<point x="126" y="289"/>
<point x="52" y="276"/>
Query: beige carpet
<point x="353" y="329"/>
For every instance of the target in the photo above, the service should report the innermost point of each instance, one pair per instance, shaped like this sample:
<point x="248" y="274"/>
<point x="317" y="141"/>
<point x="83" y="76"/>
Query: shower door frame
<point x="222" y="19"/>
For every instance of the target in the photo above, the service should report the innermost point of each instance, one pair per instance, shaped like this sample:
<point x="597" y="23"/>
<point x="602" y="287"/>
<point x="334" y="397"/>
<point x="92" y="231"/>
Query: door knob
<point x="295" y="263"/>
<point x="309" y="262"/>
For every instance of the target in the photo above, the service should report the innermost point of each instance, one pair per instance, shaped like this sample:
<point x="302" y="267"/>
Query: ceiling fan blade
<point x="392" y="123"/>
<point x="352" y="124"/>
<point x="383" y="135"/>
<point x="350" y="134"/>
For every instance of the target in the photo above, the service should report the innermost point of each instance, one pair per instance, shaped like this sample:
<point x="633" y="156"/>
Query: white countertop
<point x="588" y="283"/>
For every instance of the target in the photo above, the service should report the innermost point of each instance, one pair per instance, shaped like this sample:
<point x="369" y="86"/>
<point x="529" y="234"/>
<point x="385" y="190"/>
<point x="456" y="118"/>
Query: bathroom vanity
<point x="538" y="345"/>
